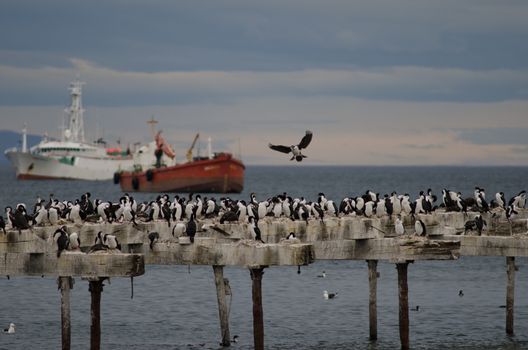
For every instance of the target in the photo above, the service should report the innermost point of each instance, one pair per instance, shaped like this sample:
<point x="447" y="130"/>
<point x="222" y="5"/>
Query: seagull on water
<point x="11" y="329"/>
<point x="327" y="295"/>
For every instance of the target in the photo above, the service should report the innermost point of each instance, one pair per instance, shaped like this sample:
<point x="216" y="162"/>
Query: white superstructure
<point x="71" y="157"/>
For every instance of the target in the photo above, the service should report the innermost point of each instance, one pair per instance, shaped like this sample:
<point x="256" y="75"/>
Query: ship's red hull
<point x="223" y="174"/>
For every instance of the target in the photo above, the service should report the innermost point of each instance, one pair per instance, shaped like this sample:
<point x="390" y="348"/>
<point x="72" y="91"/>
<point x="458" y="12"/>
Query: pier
<point x="32" y="253"/>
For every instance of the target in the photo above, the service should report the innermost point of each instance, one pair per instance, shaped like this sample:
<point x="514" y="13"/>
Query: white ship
<point x="71" y="157"/>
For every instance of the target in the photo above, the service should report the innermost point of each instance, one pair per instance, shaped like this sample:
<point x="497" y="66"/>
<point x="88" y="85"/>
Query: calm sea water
<point x="176" y="309"/>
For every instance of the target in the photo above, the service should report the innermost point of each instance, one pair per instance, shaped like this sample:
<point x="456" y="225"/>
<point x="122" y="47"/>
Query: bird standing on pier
<point x="254" y="230"/>
<point x="190" y="228"/>
<point x="19" y="219"/>
<point x="476" y="224"/>
<point x="75" y="241"/>
<point x="2" y="224"/>
<point x="98" y="244"/>
<point x="295" y="149"/>
<point x="398" y="227"/>
<point x="53" y="215"/>
<point x="61" y="237"/>
<point x="153" y="238"/>
<point x="419" y="228"/>
<point x="499" y="201"/>
<point x="519" y="200"/>
<point x="111" y="242"/>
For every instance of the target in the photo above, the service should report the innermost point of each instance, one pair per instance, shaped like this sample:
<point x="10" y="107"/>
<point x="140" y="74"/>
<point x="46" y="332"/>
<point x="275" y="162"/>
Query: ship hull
<point x="29" y="166"/>
<point x="223" y="174"/>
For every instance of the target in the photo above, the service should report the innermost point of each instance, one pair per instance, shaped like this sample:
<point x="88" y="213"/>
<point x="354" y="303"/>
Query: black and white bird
<point x="98" y="244"/>
<point x="295" y="149"/>
<point x="19" y="219"/>
<point x="327" y="295"/>
<point x="499" y="201"/>
<point x="398" y="227"/>
<point x="519" y="200"/>
<point x="61" y="238"/>
<point x="153" y="238"/>
<point x="254" y="230"/>
<point x="111" y="242"/>
<point x="11" y="329"/>
<point x="291" y="235"/>
<point x="75" y="241"/>
<point x="2" y="224"/>
<point x="419" y="227"/>
<point x="476" y="224"/>
<point x="178" y="230"/>
<point x="190" y="228"/>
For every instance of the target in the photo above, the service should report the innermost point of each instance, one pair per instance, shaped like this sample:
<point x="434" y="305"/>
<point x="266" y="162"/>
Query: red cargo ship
<point x="217" y="173"/>
<point x="221" y="174"/>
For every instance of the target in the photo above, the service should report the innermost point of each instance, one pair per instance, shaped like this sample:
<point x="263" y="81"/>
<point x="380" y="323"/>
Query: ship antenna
<point x="152" y="122"/>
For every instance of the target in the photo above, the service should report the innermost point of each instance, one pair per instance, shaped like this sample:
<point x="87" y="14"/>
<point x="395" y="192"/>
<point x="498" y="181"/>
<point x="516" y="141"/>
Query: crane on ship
<point x="190" y="150"/>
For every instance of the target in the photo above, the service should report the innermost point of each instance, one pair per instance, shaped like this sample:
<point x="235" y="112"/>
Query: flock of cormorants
<point x="181" y="212"/>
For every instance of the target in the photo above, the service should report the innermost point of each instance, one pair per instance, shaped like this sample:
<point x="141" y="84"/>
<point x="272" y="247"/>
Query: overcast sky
<point x="378" y="82"/>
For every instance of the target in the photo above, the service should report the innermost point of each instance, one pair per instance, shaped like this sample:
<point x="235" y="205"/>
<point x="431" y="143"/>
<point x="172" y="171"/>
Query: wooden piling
<point x="404" y="304"/>
<point x="258" y="317"/>
<point x="373" y="283"/>
<point x="65" y="284"/>
<point x="510" y="294"/>
<point x="95" y="288"/>
<point x="223" y="311"/>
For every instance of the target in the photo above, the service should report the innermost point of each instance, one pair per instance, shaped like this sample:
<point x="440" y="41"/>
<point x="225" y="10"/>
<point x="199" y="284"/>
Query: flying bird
<point x="295" y="149"/>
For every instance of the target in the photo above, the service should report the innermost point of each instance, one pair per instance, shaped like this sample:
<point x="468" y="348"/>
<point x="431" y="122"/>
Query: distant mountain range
<point x="9" y="139"/>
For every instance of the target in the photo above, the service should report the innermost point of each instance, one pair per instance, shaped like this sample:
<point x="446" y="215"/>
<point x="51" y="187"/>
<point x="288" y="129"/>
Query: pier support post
<point x="510" y="294"/>
<point x="404" y="304"/>
<point x="65" y="284"/>
<point x="258" y="317"/>
<point x="373" y="283"/>
<point x="95" y="288"/>
<point x="223" y="311"/>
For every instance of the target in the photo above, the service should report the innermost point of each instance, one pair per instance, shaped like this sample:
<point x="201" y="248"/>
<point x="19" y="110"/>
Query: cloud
<point x="424" y="146"/>
<point x="271" y="35"/>
<point x="494" y="136"/>
<point x="109" y="87"/>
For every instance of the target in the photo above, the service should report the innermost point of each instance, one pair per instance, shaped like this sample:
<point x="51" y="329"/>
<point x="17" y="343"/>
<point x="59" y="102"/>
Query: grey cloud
<point x="520" y="150"/>
<point x="270" y="35"/>
<point x="424" y="147"/>
<point x="494" y="136"/>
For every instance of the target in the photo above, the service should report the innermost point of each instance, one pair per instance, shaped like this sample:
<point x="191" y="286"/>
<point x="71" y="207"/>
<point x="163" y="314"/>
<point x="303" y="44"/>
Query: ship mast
<point x="75" y="130"/>
<point x="152" y="122"/>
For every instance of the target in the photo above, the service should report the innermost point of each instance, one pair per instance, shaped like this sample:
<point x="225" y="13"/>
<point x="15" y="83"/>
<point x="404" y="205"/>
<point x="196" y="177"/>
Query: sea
<point x="175" y="307"/>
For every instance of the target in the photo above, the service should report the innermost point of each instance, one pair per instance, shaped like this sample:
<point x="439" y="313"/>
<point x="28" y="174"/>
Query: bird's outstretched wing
<point x="306" y="140"/>
<point x="280" y="148"/>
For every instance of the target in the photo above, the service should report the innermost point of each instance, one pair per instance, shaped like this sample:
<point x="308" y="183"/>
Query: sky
<point x="378" y="82"/>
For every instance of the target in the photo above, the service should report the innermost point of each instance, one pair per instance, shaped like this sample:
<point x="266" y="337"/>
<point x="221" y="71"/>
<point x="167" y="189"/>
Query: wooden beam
<point x="72" y="264"/>
<point x="65" y="284"/>
<point x="510" y="294"/>
<point x="95" y="288"/>
<point x="258" y="316"/>
<point x="403" y="293"/>
<point x="373" y="315"/>
<point x="223" y="311"/>
<point x="247" y="253"/>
